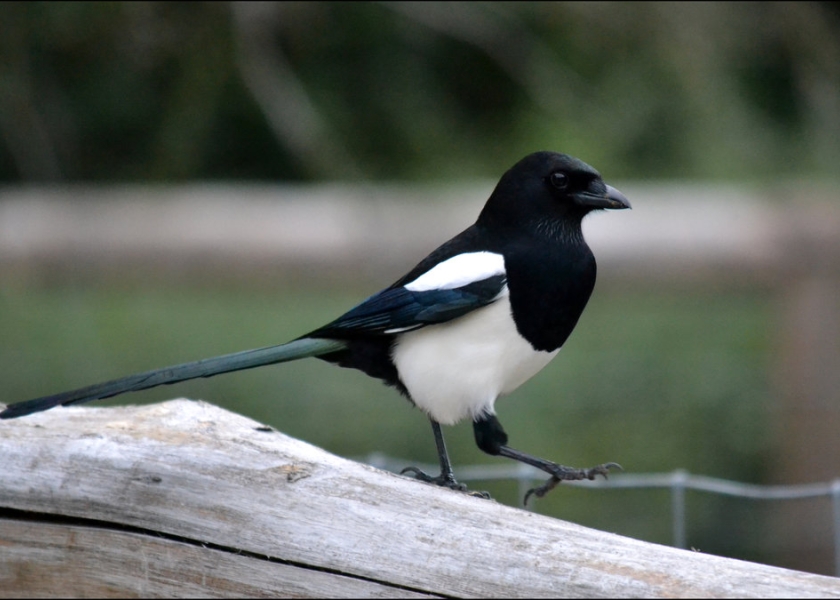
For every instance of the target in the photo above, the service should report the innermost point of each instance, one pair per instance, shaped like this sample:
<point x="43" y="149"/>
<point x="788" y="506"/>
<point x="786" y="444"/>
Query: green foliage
<point x="312" y="91"/>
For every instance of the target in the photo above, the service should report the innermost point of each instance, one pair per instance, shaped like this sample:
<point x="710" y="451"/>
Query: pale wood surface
<point x="247" y="512"/>
<point x="48" y="559"/>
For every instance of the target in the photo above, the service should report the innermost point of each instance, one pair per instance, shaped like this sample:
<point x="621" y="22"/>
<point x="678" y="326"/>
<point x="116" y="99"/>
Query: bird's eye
<point x="559" y="180"/>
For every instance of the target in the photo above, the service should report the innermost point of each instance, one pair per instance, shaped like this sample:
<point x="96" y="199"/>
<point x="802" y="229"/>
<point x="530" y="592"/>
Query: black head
<point x="548" y="191"/>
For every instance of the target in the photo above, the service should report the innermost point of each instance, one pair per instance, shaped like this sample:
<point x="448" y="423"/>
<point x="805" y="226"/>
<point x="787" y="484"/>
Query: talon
<point x="542" y="490"/>
<point x="602" y="470"/>
<point x="444" y="480"/>
<point x="482" y="495"/>
<point x="418" y="474"/>
<point x="567" y="474"/>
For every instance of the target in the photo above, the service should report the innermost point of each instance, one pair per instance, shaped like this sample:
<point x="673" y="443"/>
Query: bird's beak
<point x="616" y="199"/>
<point x="611" y="199"/>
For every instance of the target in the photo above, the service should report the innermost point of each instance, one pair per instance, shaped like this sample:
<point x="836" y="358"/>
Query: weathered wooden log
<point x="186" y="499"/>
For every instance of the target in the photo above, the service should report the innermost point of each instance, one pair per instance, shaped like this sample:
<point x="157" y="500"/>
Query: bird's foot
<point x="560" y="473"/>
<point x="446" y="480"/>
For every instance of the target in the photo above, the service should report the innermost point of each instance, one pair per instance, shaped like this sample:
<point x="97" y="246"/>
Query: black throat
<point x="550" y="279"/>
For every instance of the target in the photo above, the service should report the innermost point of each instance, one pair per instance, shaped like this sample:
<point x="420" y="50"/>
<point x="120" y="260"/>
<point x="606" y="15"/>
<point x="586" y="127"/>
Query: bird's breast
<point x="457" y="369"/>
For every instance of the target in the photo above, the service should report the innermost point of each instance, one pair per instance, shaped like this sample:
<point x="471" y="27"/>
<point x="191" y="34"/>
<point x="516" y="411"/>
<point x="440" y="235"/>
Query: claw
<point x="602" y="470"/>
<point x="482" y="495"/>
<point x="444" y="480"/>
<point x="568" y="474"/>
<point x="542" y="490"/>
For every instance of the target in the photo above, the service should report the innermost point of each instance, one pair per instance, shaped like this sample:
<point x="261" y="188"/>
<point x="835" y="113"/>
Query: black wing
<point x="398" y="309"/>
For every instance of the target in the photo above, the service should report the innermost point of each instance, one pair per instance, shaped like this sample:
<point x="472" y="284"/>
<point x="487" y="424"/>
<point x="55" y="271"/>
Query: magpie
<point x="471" y="322"/>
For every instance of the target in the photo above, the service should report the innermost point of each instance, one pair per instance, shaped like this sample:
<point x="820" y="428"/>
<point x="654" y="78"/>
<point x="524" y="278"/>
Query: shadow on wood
<point x="186" y="499"/>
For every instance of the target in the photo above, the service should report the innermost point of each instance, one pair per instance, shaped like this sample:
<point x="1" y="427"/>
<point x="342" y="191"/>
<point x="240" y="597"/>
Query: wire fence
<point x="677" y="482"/>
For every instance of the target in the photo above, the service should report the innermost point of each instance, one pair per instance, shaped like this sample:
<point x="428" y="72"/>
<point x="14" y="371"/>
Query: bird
<point x="475" y="319"/>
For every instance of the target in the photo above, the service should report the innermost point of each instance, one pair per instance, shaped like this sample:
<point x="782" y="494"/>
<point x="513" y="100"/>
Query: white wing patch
<point x="458" y="271"/>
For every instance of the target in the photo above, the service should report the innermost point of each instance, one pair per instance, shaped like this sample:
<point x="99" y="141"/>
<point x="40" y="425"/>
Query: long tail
<point x="208" y="367"/>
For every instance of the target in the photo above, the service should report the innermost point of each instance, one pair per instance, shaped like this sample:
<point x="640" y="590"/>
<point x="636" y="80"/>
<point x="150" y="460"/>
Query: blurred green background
<point x="655" y="377"/>
<point x="312" y="91"/>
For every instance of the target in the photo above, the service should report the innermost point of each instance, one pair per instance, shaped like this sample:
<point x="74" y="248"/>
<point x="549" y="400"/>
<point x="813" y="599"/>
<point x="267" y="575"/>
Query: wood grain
<point x="143" y="490"/>
<point x="49" y="559"/>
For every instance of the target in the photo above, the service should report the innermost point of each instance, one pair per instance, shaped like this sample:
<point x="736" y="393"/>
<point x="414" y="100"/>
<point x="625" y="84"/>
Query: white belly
<point x="457" y="369"/>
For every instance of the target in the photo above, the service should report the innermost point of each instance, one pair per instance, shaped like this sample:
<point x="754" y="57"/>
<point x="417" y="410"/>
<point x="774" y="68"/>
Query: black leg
<point x="491" y="438"/>
<point x="443" y="456"/>
<point x="558" y="472"/>
<point x="447" y="476"/>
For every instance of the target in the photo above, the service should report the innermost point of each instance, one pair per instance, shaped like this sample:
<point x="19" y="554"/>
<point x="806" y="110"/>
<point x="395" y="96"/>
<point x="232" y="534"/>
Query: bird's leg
<point x="447" y="476"/>
<point x="558" y="472"/>
<point x="491" y="438"/>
